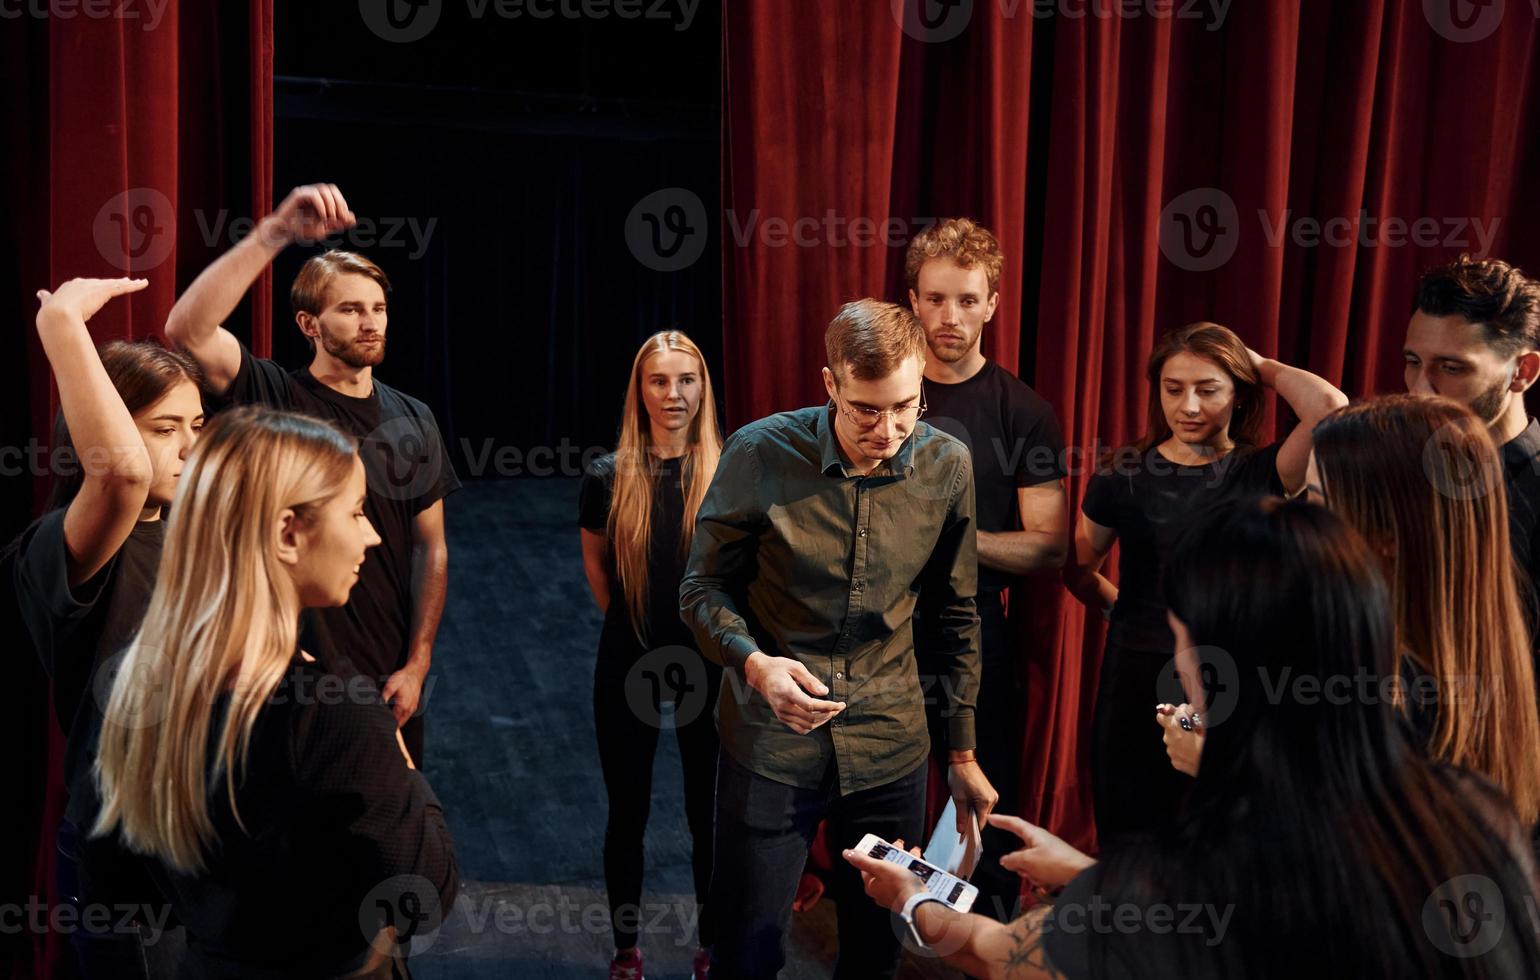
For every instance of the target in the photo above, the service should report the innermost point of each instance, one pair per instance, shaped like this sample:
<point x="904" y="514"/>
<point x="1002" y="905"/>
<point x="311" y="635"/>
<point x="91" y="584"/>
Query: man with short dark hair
<point x="1474" y="336"/>
<point x="953" y="269"/>
<point x="823" y="530"/>
<point x="387" y="628"/>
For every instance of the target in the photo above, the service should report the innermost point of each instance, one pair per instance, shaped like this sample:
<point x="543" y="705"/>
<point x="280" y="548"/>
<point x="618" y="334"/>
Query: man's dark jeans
<point x="763" y="831"/>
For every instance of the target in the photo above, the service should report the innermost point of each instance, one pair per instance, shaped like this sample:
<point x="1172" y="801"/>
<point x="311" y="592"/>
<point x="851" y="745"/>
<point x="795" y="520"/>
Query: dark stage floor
<point x="511" y="752"/>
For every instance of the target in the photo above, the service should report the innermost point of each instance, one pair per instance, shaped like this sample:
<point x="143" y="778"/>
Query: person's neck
<point x="956" y="372"/>
<point x="670" y="443"/>
<point x="859" y="462"/>
<point x="151" y="512"/>
<point x="1513" y="420"/>
<point x="342" y="378"/>
<point x="1199" y="453"/>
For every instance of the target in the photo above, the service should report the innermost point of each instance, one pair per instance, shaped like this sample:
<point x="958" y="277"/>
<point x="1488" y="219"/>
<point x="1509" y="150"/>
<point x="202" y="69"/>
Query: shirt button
<point x="839" y="675"/>
<point x="862" y="532"/>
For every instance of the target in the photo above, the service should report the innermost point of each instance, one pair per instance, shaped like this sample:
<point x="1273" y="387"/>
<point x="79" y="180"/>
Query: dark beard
<point x="354" y="356"/>
<point x="1489" y="404"/>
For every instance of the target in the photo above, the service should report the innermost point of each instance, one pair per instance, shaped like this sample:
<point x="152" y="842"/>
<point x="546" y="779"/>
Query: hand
<point x="401" y="744"/>
<point x="972" y="792"/>
<point x="888" y="884"/>
<point x="809" y="890"/>
<point x="403" y="690"/>
<point x="1046" y="861"/>
<point x="81" y="298"/>
<point x="784" y="683"/>
<point x="1256" y="360"/>
<point x="309" y="214"/>
<point x="1184" y="742"/>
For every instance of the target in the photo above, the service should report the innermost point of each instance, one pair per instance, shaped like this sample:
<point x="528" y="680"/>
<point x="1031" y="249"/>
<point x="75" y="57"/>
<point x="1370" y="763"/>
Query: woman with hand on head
<point x="1317" y="840"/>
<point x="637" y="511"/>
<point x="84" y="571"/>
<point x="1202" y="444"/>
<point x="279" y="818"/>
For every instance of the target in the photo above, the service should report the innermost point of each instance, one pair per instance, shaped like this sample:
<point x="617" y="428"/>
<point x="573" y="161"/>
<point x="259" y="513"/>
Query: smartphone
<point x="952" y="890"/>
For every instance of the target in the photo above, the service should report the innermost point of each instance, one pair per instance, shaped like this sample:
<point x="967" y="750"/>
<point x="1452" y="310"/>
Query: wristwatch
<point x="907" y="914"/>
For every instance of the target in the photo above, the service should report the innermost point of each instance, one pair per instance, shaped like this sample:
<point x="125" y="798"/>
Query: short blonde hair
<point x="308" y="294"/>
<point x="873" y="337"/>
<point x="962" y="240"/>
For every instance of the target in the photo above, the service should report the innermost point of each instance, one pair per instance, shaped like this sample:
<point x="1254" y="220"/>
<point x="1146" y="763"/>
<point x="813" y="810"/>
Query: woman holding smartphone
<point x="637" y="512"/>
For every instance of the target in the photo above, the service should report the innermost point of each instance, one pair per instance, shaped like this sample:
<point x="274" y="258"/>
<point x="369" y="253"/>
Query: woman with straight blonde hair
<point x="1422" y="481"/>
<point x="637" y="511"/>
<point x="271" y="799"/>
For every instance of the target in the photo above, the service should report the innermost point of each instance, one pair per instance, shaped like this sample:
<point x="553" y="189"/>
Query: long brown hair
<point x="1421" y="479"/>
<point x="224" y="615"/>
<point x="631" y="502"/>
<point x="141" y="371"/>
<point x="1220" y="345"/>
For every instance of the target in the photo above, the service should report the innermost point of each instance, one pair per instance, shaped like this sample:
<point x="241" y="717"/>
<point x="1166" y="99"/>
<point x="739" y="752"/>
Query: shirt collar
<point x="832" y="460"/>
<point x="1522" y="449"/>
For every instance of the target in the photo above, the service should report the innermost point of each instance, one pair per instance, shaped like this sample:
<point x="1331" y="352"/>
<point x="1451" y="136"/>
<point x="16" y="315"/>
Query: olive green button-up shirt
<point x="796" y="556"/>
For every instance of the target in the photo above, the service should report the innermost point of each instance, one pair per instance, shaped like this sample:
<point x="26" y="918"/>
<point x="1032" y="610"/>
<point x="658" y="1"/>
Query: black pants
<point x="764" y="830"/>
<point x="626" y="721"/>
<point x="1136" y="789"/>
<point x="1001" y="729"/>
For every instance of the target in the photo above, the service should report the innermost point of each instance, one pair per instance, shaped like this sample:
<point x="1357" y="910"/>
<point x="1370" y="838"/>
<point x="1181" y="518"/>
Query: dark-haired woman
<point x="1317" y="841"/>
<point x="637" y="512"/>
<point x="84" y="571"/>
<point x="1201" y="444"/>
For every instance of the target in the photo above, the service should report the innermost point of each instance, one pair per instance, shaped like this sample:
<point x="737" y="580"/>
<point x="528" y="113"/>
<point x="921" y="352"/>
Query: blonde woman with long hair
<point x="637" y="512"/>
<point x="1422" y="481"/>
<point x="271" y="801"/>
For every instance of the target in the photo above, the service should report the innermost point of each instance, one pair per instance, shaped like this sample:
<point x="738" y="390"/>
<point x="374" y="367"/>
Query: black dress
<point x="631" y="682"/>
<point x="1149" y="501"/>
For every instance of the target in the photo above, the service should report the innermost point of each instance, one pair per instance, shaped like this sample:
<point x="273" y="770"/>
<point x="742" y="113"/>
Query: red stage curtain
<point x="143" y="131"/>
<point x="1070" y="135"/>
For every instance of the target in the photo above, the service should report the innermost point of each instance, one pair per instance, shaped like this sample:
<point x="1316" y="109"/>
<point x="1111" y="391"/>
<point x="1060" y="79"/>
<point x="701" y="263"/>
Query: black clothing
<point x="1014" y="437"/>
<point x="764" y="830"/>
<point x="408" y="471"/>
<point x="1521" y="474"/>
<point x="336" y="827"/>
<point x="77" y="631"/>
<point x="1148" y="501"/>
<point x="631" y="680"/>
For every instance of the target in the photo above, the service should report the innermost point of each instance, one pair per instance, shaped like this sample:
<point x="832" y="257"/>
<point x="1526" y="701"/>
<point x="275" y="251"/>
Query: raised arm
<point x="1311" y="398"/>
<point x="115" y="465"/>
<point x="309" y="213"/>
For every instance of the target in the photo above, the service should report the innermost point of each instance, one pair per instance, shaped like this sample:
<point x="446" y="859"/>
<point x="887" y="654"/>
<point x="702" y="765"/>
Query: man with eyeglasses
<point x="823" y="531"/>
<point x="953" y="269"/>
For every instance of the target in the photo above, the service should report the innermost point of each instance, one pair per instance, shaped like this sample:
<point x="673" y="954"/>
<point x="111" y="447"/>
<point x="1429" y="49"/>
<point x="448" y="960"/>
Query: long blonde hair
<point x="1421" y="480"/>
<point x="631" y="502"/>
<point x="224" y="617"/>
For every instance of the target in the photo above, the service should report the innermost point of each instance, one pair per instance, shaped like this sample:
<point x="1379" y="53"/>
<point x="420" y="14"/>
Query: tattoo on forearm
<point x="1026" y="956"/>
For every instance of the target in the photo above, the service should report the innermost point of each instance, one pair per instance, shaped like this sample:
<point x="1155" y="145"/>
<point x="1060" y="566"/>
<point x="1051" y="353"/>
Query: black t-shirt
<point x="1014" y="437"/>
<point x="665" y="559"/>
<point x="333" y="819"/>
<point x="1148" y="501"/>
<point x="1521" y="470"/>
<point x="408" y="471"/>
<point x="76" y="632"/>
